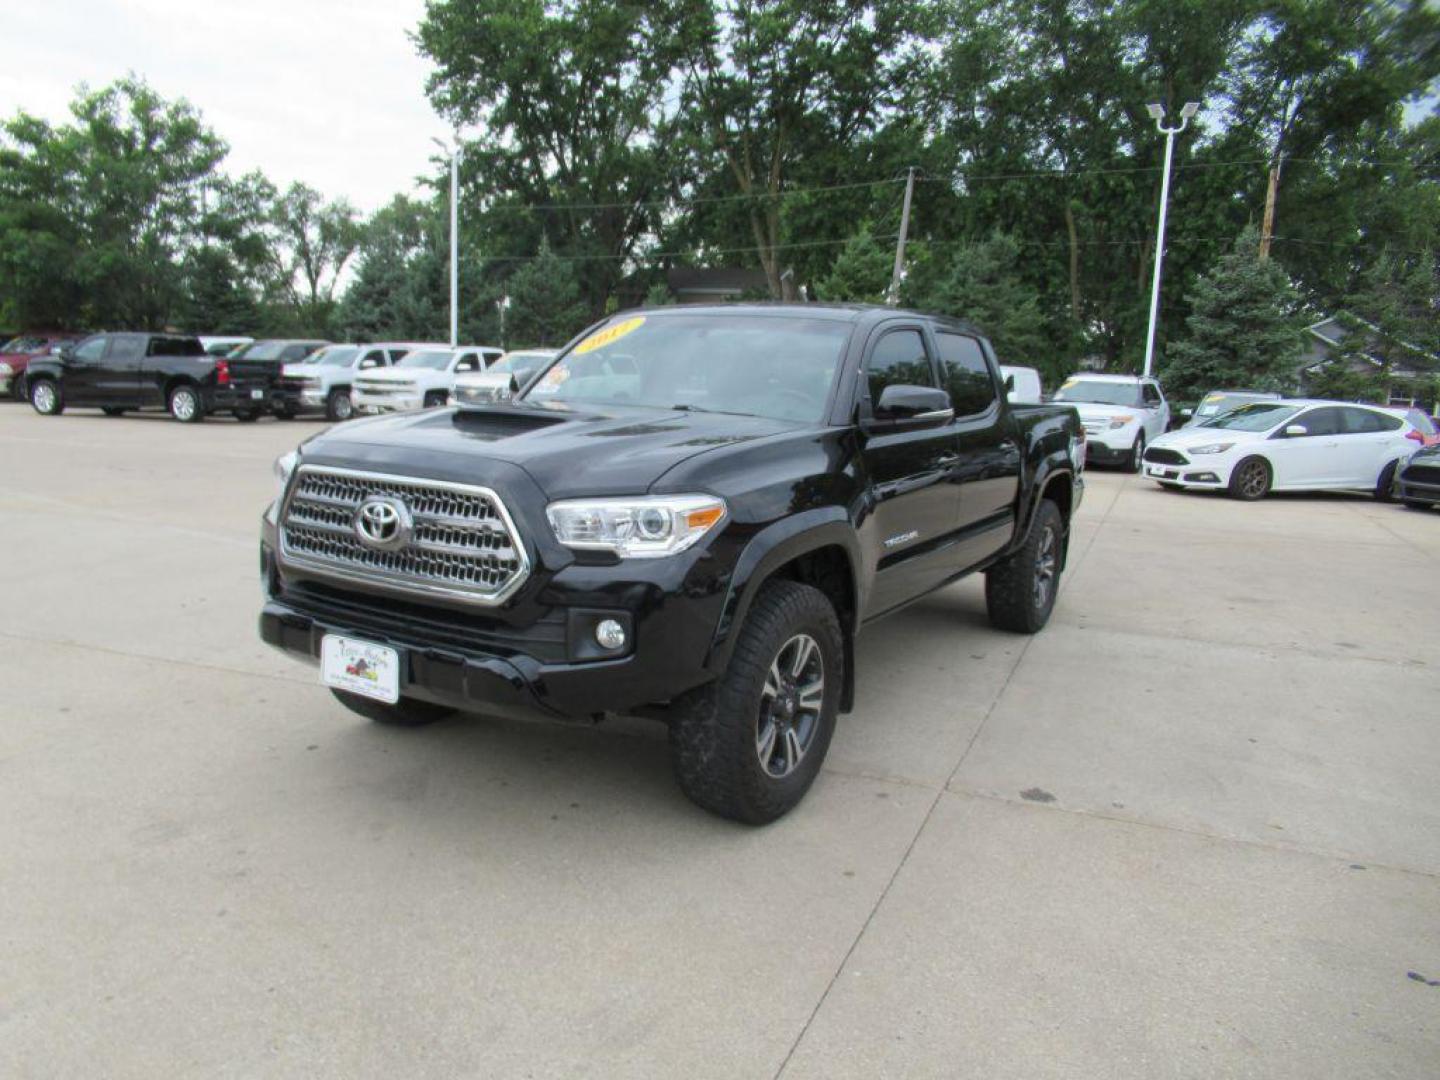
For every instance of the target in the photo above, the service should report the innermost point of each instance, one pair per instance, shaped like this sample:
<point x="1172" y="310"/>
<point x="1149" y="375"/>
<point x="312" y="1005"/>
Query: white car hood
<point x="1185" y="438"/>
<point x="1088" y="411"/>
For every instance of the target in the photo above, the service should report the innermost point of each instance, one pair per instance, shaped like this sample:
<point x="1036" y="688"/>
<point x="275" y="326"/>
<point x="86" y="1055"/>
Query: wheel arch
<point x="818" y="548"/>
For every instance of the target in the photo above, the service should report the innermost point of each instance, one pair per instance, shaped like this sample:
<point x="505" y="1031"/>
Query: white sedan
<point x="1291" y="445"/>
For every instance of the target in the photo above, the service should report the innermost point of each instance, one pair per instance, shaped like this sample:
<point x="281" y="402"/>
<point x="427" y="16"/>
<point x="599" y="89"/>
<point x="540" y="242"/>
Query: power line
<point x="693" y="253"/>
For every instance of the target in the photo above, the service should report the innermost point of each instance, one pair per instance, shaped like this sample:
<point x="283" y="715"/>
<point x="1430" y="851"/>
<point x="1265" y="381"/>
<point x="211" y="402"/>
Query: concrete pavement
<point x="1192" y="829"/>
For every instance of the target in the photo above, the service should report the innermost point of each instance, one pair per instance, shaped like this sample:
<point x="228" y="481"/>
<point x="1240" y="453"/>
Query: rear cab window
<point x="966" y="374"/>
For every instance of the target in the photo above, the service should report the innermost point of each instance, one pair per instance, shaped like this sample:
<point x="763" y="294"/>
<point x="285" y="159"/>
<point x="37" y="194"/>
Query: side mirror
<point x="1009" y="384"/>
<point x="902" y="408"/>
<point x="369" y="362"/>
<point x="1293" y="431"/>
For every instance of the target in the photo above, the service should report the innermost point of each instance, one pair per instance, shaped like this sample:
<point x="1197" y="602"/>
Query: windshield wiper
<point x="682" y="407"/>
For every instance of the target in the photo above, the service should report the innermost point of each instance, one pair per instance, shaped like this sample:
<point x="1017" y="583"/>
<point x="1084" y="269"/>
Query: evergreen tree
<point x="1244" y="329"/>
<point x="861" y="272"/>
<point x="982" y="283"/>
<point x="545" y="303"/>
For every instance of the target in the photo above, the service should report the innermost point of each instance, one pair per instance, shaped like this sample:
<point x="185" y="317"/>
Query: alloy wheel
<point x="1047" y="562"/>
<point x="183" y="404"/>
<point x="1252" y="480"/>
<point x="790" y="705"/>
<point x="43" y="397"/>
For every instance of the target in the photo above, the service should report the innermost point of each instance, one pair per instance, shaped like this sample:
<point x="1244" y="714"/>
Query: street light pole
<point x="454" y="155"/>
<point x="1157" y="113"/>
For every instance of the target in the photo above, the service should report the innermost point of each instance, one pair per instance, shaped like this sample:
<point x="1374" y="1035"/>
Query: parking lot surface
<point x="1191" y="829"/>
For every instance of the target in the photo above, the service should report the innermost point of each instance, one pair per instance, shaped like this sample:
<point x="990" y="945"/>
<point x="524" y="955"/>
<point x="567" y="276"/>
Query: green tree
<point x="983" y="283"/>
<point x="545" y="303"/>
<point x="98" y="216"/>
<point x="1244" y="328"/>
<point x="316" y="240"/>
<point x="861" y="272"/>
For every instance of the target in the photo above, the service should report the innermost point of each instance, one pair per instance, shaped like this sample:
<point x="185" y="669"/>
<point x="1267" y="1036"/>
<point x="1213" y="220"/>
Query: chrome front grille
<point x="461" y="543"/>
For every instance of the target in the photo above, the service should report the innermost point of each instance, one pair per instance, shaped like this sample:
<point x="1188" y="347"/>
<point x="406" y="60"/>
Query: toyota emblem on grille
<point x="383" y="523"/>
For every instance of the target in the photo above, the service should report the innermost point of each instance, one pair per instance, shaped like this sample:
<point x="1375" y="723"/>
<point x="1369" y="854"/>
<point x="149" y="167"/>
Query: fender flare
<point x="1051" y="469"/>
<point x="769" y="550"/>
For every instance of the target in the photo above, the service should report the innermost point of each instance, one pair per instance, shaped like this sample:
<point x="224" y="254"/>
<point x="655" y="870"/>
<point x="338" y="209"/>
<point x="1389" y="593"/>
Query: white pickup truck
<point x="421" y="379"/>
<point x="322" y="381"/>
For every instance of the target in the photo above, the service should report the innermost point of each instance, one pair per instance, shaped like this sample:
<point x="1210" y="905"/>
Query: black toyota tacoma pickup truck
<point x="122" y="372"/>
<point x="690" y="513"/>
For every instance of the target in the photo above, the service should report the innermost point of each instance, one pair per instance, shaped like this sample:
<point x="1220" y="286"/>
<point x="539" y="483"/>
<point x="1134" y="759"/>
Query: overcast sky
<point x="330" y="92"/>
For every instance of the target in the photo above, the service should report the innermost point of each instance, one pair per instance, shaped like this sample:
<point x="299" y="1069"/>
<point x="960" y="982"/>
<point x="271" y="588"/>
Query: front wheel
<point x="1250" y="480"/>
<point x="338" y="406"/>
<point x="186" y="406"/>
<point x="45" y="398"/>
<point x="407" y="712"/>
<point x="1020" y="591"/>
<point x="1136" y="461"/>
<point x="435" y="398"/>
<point x="749" y="745"/>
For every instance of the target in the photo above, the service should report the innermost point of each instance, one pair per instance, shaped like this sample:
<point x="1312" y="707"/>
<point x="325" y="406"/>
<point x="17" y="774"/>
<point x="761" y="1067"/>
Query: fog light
<point x="610" y="634"/>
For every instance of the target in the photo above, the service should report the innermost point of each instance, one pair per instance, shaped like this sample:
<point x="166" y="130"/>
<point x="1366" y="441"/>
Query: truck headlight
<point x="284" y="467"/>
<point x="644" y="527"/>
<point x="1212" y="448"/>
<point x="1120" y="421"/>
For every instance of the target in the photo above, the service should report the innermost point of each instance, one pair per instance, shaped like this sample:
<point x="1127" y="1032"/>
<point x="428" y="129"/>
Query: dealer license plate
<point x="360" y="667"/>
<point x="257" y="395"/>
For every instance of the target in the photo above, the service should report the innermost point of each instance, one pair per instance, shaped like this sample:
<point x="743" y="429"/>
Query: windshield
<point x="771" y="366"/>
<point x="261" y="350"/>
<point x="517" y="361"/>
<point x="334" y="356"/>
<point x="1259" y="416"/>
<point x="436" y="359"/>
<point x="1098" y="392"/>
<point x="1217" y="403"/>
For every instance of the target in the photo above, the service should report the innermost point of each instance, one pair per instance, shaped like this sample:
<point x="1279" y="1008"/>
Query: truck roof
<point x="838" y="312"/>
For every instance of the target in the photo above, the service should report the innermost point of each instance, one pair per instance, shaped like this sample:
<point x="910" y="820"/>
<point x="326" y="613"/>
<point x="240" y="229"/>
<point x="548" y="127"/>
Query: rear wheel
<point x="1385" y="486"/>
<point x="1250" y="480"/>
<point x="1020" y="591"/>
<point x="338" y="405"/>
<point x="749" y="745"/>
<point x="45" y="397"/>
<point x="407" y="712"/>
<point x="185" y="404"/>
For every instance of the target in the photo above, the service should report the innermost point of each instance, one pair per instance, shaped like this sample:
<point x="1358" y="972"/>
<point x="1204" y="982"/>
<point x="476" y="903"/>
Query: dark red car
<point x="16" y="354"/>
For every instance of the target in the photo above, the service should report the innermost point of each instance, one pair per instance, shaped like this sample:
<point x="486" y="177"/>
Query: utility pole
<point x="454" y="154"/>
<point x="894" y="297"/>
<point x="1157" y="113"/>
<point x="1267" y="230"/>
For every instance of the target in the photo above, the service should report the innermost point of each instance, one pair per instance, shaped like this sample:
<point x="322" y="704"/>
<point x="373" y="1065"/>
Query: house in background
<point x="1413" y="371"/>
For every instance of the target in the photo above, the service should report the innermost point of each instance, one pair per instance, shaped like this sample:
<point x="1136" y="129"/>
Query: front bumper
<point x="535" y="656"/>
<point x="292" y="399"/>
<point x="1202" y="471"/>
<point x="1420" y="483"/>
<point x="380" y="403"/>
<point x="1100" y="452"/>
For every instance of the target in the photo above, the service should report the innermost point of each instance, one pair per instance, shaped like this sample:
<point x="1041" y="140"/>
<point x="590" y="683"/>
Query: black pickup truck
<point x="691" y="513"/>
<point x="122" y="372"/>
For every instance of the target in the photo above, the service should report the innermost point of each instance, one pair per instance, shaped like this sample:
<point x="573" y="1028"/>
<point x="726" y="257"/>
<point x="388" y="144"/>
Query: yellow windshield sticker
<point x="609" y="335"/>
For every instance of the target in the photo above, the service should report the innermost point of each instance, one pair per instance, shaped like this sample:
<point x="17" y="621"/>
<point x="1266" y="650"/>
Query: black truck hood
<point x="594" y="451"/>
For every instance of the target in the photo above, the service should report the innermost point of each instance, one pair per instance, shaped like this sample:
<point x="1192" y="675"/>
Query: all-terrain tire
<point x="407" y="712"/>
<point x="1020" y="591"/>
<point x="715" y="730"/>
